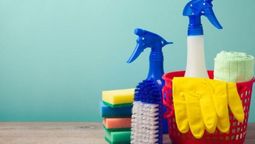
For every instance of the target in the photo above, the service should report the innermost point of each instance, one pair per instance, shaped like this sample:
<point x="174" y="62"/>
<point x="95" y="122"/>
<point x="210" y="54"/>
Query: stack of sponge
<point x="116" y="111"/>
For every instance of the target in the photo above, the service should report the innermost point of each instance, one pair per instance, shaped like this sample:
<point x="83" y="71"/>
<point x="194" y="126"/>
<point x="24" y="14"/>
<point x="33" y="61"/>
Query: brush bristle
<point x="145" y="123"/>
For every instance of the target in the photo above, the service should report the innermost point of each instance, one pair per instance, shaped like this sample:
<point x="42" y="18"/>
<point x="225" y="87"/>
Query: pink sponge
<point x="117" y="123"/>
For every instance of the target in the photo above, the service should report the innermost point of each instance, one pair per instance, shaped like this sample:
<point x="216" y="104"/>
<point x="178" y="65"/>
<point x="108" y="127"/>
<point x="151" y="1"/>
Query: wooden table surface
<point x="66" y="133"/>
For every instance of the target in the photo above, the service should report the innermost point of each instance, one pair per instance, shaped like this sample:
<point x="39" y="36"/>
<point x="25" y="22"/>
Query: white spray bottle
<point x="195" y="42"/>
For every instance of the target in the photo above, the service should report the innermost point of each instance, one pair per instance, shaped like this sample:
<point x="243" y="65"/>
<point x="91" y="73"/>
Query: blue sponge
<point x="117" y="112"/>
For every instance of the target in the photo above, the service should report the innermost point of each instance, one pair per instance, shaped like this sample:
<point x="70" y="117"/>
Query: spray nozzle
<point x="195" y="9"/>
<point x="145" y="40"/>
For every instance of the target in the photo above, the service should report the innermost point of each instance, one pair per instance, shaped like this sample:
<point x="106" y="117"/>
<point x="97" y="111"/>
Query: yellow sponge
<point x="118" y="97"/>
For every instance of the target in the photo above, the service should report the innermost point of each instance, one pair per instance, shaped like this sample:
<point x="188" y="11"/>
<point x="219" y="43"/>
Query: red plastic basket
<point x="237" y="131"/>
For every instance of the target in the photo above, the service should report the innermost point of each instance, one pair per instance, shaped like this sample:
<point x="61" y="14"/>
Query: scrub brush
<point x="147" y="113"/>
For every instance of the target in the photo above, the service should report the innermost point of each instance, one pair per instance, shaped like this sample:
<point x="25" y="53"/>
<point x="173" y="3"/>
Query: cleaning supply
<point x="147" y="115"/>
<point x="115" y="98"/>
<point x="121" y="111"/>
<point x="118" y="137"/>
<point x="195" y="42"/>
<point x="117" y="123"/>
<point x="233" y="66"/>
<point x="237" y="132"/>
<point x="202" y="104"/>
<point x="116" y="110"/>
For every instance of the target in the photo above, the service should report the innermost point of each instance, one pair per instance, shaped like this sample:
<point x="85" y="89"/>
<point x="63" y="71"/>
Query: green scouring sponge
<point x="118" y="137"/>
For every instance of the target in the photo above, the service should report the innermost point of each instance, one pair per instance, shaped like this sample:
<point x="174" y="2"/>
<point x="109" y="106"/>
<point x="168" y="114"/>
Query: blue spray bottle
<point x="147" y="114"/>
<point x="195" y="42"/>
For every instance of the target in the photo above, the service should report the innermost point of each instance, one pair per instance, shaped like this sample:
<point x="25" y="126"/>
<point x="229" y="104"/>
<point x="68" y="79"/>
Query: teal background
<point x="56" y="56"/>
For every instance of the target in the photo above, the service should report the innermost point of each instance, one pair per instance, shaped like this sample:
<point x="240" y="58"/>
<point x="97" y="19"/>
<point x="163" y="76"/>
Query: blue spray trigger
<point x="212" y="18"/>
<point x="147" y="39"/>
<point x="195" y="9"/>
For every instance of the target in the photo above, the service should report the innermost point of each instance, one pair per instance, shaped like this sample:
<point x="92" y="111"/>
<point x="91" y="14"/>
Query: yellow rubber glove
<point x="201" y="104"/>
<point x="235" y="103"/>
<point x="207" y="106"/>
<point x="187" y="108"/>
<point x="220" y="100"/>
<point x="226" y="95"/>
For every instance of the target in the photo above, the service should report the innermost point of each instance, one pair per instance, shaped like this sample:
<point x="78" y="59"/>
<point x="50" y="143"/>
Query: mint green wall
<point x="56" y="56"/>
